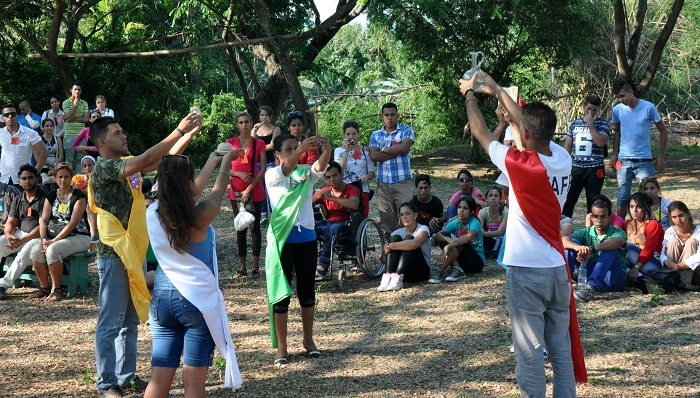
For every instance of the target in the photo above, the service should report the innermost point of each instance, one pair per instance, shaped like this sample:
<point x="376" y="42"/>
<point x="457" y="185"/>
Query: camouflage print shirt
<point x="111" y="191"/>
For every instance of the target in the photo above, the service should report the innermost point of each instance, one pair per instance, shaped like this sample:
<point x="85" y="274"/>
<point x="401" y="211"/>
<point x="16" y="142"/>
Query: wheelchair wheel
<point x="370" y="243"/>
<point x="342" y="280"/>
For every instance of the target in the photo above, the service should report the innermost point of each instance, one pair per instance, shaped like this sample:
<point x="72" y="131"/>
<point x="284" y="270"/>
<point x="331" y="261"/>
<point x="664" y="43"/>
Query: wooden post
<point x="315" y="113"/>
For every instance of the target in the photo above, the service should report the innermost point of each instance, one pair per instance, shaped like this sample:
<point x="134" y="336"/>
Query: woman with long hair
<point x="56" y="114"/>
<point x="267" y="132"/>
<point x="247" y="189"/>
<point x="644" y="237"/>
<point x="680" y="246"/>
<point x="296" y="127"/>
<point x="659" y="205"/>
<point x="82" y="144"/>
<point x="355" y="161"/>
<point x="53" y="144"/>
<point x="187" y="315"/>
<point x="494" y="219"/>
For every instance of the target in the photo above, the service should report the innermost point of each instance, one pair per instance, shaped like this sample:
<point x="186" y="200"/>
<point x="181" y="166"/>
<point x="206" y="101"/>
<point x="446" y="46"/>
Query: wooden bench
<point x="75" y="278"/>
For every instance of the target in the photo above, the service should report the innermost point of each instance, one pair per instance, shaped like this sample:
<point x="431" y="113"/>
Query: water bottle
<point x="582" y="276"/>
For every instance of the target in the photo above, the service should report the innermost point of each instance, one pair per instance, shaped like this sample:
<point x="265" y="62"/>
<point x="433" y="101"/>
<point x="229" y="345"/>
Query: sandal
<point x="240" y="274"/>
<point x="41" y="293"/>
<point x="56" y="295"/>
<point x="315" y="353"/>
<point x="255" y="273"/>
<point x="281" y="361"/>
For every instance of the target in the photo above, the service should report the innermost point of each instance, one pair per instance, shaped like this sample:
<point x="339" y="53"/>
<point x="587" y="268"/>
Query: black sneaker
<point x="113" y="392"/>
<point x="3" y="293"/>
<point x="136" y="385"/>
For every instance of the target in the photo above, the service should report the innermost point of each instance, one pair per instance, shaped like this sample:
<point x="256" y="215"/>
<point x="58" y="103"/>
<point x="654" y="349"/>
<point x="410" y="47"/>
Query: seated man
<point x="429" y="207"/>
<point x="22" y="226"/>
<point x="338" y="198"/>
<point x="603" y="250"/>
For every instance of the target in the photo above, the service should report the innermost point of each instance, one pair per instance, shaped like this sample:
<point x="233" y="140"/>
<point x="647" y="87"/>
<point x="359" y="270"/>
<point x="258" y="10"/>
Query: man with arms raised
<point x="114" y="194"/>
<point x="537" y="282"/>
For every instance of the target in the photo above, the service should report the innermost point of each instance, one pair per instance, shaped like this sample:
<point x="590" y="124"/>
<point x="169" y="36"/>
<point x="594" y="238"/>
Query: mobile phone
<point x="352" y="142"/>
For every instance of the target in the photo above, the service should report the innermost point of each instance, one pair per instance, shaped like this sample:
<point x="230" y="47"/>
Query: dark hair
<point x="241" y="114"/>
<point x="592" y="99"/>
<point x="176" y="206"/>
<point x="467" y="172"/>
<point x="266" y="108"/>
<point x="603" y="198"/>
<point x="540" y="121"/>
<point x="678" y="205"/>
<point x="57" y="99"/>
<point x="642" y="200"/>
<point x="9" y="106"/>
<point x="422" y="177"/>
<point x="76" y="83"/>
<point x="601" y="204"/>
<point x="500" y="194"/>
<point x="292" y="116"/>
<point x="280" y="139"/>
<point x="99" y="128"/>
<point x="390" y="105"/>
<point x="622" y="84"/>
<point x="647" y="180"/>
<point x="470" y="202"/>
<point x="334" y="165"/>
<point x="28" y="167"/>
<point x="43" y="122"/>
<point x="351" y="123"/>
<point x="410" y="205"/>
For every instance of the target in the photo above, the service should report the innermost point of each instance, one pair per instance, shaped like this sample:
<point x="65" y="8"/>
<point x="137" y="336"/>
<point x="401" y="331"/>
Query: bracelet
<point x="43" y="237"/>
<point x="468" y="90"/>
<point x="181" y="131"/>
<point x="223" y="172"/>
<point x="470" y="99"/>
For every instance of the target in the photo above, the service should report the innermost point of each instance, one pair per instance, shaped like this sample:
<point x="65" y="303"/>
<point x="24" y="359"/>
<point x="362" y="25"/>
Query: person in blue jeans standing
<point x="631" y="125"/>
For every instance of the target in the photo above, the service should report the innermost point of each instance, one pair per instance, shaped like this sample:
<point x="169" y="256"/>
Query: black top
<point x="59" y="213"/>
<point x="27" y="212"/>
<point x="426" y="211"/>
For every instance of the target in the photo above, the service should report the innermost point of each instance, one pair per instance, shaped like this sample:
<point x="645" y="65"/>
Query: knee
<point x="396" y="238"/>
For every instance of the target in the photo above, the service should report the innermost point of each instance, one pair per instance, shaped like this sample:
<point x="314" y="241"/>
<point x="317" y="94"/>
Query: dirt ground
<point x="446" y="340"/>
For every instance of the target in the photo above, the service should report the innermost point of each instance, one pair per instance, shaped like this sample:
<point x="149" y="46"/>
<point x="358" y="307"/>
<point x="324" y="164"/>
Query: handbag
<point x="55" y="227"/>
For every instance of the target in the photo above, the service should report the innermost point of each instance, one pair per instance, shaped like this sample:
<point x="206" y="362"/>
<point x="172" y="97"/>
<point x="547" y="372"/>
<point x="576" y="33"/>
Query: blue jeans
<point x="633" y="255"/>
<point x="178" y="327"/>
<point x="117" y="326"/>
<point x="605" y="273"/>
<point x="538" y="305"/>
<point x="630" y="170"/>
<point x="327" y="229"/>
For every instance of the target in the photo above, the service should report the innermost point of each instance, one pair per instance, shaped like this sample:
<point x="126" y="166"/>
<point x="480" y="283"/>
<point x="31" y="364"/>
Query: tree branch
<point x="623" y="68"/>
<point x="633" y="46"/>
<point x="659" y="46"/>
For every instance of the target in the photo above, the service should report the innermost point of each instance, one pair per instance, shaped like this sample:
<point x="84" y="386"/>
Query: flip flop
<point x="240" y="274"/>
<point x="312" y="353"/>
<point x="281" y="361"/>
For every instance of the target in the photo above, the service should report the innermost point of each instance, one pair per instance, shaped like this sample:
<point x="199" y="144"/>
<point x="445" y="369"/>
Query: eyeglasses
<point x="295" y="114"/>
<point x="464" y="179"/>
<point x="10" y="114"/>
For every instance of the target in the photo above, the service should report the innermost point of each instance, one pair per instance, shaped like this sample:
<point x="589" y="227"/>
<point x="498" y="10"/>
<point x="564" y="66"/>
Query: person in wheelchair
<point x="339" y="199"/>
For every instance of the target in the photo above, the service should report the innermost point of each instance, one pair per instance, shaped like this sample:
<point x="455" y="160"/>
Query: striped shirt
<point x="398" y="168"/>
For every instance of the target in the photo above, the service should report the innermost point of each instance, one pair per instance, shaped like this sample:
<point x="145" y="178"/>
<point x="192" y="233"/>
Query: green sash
<point x="283" y="219"/>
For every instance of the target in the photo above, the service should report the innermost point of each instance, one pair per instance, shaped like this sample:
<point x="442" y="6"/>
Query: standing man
<point x="22" y="226"/>
<point x="587" y="137"/>
<point x="631" y="124"/>
<point x="114" y="194"/>
<point x="390" y="147"/>
<point x="18" y="144"/>
<point x="538" y="290"/>
<point x="27" y="118"/>
<point x="77" y="116"/>
<point x="429" y="207"/>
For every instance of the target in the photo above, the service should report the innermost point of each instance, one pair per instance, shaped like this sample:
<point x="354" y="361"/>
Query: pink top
<point x="84" y="135"/>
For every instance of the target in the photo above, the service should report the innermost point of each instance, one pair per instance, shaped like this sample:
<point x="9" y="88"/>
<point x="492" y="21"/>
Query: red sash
<point x="541" y="208"/>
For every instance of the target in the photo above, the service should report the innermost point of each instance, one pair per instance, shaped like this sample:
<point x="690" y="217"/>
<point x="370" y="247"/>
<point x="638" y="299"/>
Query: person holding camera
<point x="355" y="161"/>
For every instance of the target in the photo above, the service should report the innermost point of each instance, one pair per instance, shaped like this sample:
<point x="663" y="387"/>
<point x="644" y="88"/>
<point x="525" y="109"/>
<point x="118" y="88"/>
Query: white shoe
<point x="384" y="286"/>
<point x="396" y="282"/>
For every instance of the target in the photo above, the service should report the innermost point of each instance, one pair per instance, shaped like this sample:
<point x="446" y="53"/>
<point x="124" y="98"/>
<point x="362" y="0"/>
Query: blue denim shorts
<point x="178" y="329"/>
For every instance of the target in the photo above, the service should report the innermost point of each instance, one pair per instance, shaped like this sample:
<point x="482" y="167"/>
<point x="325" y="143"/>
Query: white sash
<point x="195" y="281"/>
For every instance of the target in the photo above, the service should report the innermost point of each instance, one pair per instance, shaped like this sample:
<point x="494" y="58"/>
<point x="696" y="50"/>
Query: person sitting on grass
<point x="615" y="220"/>
<point x="680" y="246"/>
<point x="429" y="206"/>
<point x="644" y="238"/>
<point x="466" y="187"/>
<point x="462" y="241"/>
<point x="659" y="205"/>
<point x="407" y="254"/>
<point x="339" y="199"/>
<point x="494" y="219"/>
<point x="602" y="249"/>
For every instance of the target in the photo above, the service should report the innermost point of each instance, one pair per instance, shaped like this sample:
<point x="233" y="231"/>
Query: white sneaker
<point x="384" y="286"/>
<point x="396" y="282"/>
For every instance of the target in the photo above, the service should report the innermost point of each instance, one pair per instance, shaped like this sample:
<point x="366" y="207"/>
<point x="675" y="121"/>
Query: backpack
<point x="665" y="279"/>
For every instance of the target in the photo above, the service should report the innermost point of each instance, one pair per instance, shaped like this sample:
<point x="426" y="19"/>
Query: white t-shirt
<point x="17" y="150"/>
<point x="524" y="246"/>
<point x="691" y="261"/>
<point x="509" y="134"/>
<point x="425" y="247"/>
<point x="357" y="165"/>
<point x="277" y="184"/>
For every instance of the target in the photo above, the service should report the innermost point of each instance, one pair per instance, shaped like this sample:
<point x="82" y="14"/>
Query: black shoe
<point x="3" y="293"/>
<point x="136" y="385"/>
<point x="113" y="392"/>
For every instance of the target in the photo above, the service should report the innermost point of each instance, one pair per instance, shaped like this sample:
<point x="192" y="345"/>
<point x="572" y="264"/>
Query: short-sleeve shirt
<point x="425" y="247"/>
<point x="586" y="154"/>
<point x="524" y="246"/>
<point x="336" y="212"/>
<point x="277" y="184"/>
<point x="64" y="211"/>
<point x="397" y="168"/>
<point x="112" y="193"/>
<point x="357" y="165"/>
<point x="427" y="211"/>
<point x="589" y="237"/>
<point x="635" y="129"/>
<point x="28" y="213"/>
<point x="493" y="223"/>
<point x="82" y="107"/>
<point x="243" y="164"/>
<point x="475" y="193"/>
<point x="456" y="228"/>
<point x="17" y="150"/>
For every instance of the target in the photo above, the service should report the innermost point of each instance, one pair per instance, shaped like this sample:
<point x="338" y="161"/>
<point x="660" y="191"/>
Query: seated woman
<point x="462" y="240"/>
<point x="466" y="187"/>
<point x="407" y="254"/>
<point x="64" y="230"/>
<point x="644" y="237"/>
<point x="493" y="218"/>
<point x="355" y="161"/>
<point x="659" y="205"/>
<point x="615" y="220"/>
<point x="680" y="246"/>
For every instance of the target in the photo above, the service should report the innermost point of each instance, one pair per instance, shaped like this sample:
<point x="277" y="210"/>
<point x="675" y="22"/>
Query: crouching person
<point x="603" y="250"/>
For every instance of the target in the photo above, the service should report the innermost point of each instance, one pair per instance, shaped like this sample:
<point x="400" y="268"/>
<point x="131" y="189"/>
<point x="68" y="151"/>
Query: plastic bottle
<point x="582" y="276"/>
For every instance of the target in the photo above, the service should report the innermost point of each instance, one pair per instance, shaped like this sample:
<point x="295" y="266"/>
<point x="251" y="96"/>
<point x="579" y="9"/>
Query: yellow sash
<point x="130" y="244"/>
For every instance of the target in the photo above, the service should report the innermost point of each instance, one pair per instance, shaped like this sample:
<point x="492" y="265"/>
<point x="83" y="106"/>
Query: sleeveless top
<point x="52" y="147"/>
<point x="269" y="155"/>
<point x="200" y="250"/>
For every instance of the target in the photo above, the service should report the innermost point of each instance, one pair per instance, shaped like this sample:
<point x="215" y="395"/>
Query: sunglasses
<point x="10" y="114"/>
<point x="295" y="113"/>
<point x="464" y="179"/>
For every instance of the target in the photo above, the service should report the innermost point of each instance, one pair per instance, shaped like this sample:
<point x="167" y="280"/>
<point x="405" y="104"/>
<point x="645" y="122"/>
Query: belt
<point x="636" y="159"/>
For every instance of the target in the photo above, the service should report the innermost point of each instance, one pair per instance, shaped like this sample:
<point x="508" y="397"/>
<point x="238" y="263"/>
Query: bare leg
<point x="42" y="273"/>
<point x="451" y="254"/>
<point x="307" y="322"/>
<point x="256" y="262"/>
<point x="56" y="271"/>
<point x="159" y="384"/>
<point x="281" y="331"/>
<point x="194" y="378"/>
<point x="241" y="264"/>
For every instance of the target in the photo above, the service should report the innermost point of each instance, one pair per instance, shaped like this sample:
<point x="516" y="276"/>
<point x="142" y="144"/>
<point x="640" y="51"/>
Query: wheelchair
<point x="359" y="243"/>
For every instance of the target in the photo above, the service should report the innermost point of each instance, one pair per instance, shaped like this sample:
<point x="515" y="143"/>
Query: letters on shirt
<point x="560" y="184"/>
